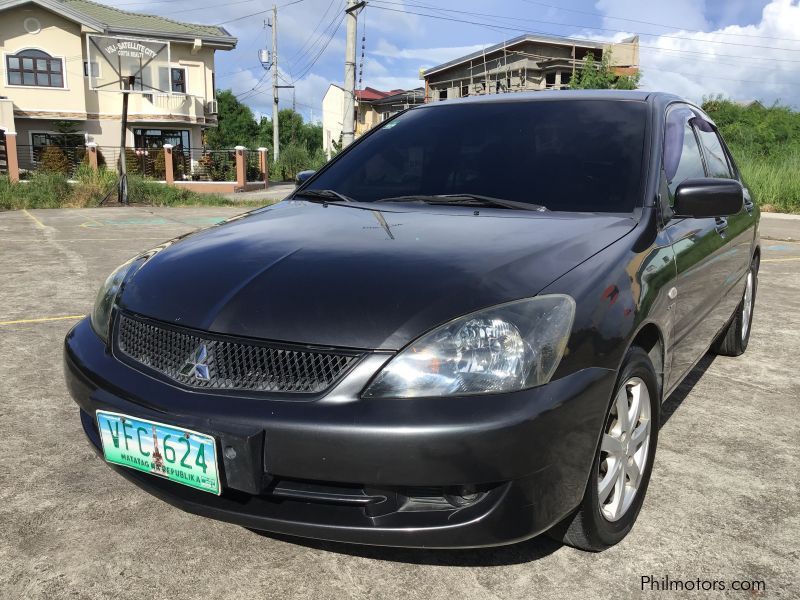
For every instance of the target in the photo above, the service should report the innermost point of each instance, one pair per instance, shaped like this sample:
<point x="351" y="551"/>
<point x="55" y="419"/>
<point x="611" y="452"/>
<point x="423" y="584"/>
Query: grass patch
<point x="52" y="190"/>
<point x="773" y="181"/>
<point x="765" y="141"/>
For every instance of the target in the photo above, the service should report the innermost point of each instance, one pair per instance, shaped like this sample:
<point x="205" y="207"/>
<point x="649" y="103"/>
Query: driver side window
<point x="682" y="158"/>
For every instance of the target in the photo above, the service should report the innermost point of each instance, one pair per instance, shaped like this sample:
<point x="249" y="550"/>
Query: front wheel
<point x="622" y="463"/>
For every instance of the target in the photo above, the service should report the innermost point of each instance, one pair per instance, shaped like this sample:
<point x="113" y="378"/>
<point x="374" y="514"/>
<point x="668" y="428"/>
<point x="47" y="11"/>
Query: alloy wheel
<point x="747" y="305"/>
<point x="624" y="449"/>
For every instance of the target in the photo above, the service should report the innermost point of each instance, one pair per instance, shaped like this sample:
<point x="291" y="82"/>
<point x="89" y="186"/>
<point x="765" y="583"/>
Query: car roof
<point x="550" y="95"/>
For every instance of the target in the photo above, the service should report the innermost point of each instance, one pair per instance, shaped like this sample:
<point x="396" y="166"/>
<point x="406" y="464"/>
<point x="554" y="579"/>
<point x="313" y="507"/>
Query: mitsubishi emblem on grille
<point x="196" y="365"/>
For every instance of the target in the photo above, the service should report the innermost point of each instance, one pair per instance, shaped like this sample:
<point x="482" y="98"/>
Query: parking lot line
<point x="42" y="320"/>
<point x="768" y="260"/>
<point x="38" y="223"/>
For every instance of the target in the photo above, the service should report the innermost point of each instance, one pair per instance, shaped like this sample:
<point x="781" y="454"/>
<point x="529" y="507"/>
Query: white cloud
<point x="429" y="55"/>
<point x="691" y="64"/>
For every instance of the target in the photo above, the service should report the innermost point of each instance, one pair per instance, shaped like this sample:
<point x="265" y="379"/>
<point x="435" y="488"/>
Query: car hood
<point x="353" y="276"/>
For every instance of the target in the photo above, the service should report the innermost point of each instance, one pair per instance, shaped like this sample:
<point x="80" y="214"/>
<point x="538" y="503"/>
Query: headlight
<point x="101" y="314"/>
<point x="500" y="349"/>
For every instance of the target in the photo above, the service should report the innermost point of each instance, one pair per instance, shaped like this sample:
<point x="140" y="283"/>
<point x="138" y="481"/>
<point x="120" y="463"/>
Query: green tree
<point x="236" y="124"/>
<point x="293" y="131"/>
<point x="593" y="75"/>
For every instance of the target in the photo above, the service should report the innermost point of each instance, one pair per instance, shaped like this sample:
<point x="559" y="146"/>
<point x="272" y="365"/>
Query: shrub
<point x="160" y="164"/>
<point x="53" y="159"/>
<point x="318" y="159"/>
<point x="153" y="193"/>
<point x="42" y="190"/>
<point x="293" y="159"/>
<point x="218" y="166"/>
<point x="133" y="163"/>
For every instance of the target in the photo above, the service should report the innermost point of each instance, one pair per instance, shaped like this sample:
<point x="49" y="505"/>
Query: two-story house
<point x="371" y="108"/>
<point x="45" y="69"/>
<point x="525" y="63"/>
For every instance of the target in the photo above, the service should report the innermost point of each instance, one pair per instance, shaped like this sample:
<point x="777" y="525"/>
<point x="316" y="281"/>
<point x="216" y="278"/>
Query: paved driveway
<point x="722" y="505"/>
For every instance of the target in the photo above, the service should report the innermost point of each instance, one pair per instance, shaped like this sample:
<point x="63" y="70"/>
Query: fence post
<point x="91" y="150"/>
<point x="169" y="175"/>
<point x="263" y="166"/>
<point x="12" y="162"/>
<point x="241" y="172"/>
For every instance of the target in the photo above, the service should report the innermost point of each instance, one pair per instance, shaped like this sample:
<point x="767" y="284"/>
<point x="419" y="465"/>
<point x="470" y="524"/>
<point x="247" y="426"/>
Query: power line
<point x="310" y="66"/>
<point x="576" y="39"/>
<point x="452" y="10"/>
<point x="261" y="12"/>
<point x="319" y="45"/>
<point x="674" y="27"/>
<point x="309" y="38"/>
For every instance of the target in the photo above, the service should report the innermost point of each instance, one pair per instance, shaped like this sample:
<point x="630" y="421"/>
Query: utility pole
<point x="348" y="122"/>
<point x="275" y="132"/>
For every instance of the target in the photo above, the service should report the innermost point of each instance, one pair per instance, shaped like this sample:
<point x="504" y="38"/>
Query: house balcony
<point x="175" y="108"/>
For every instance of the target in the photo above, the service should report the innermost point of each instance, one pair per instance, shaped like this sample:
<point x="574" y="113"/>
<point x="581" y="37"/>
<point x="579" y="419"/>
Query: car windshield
<point x="562" y="155"/>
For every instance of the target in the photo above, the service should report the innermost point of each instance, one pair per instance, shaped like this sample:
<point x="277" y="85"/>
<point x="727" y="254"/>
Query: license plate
<point x="175" y="453"/>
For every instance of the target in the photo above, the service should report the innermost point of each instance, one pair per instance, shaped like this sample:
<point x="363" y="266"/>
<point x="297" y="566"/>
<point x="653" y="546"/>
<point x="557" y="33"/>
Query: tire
<point x="734" y="338"/>
<point x="598" y="525"/>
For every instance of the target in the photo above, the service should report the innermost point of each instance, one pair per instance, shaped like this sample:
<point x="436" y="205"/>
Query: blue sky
<point x="744" y="49"/>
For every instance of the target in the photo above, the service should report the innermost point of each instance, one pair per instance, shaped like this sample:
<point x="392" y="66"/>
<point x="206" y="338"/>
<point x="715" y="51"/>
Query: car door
<point x="740" y="226"/>
<point x="700" y="247"/>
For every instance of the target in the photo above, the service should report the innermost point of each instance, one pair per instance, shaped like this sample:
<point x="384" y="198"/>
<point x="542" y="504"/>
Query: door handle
<point x="721" y="225"/>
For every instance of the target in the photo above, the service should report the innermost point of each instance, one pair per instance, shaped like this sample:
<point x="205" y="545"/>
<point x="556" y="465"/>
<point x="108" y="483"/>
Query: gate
<point x="3" y="153"/>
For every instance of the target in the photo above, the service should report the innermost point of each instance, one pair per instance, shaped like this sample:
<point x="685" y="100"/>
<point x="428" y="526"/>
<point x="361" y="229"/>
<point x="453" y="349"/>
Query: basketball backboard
<point x="115" y="62"/>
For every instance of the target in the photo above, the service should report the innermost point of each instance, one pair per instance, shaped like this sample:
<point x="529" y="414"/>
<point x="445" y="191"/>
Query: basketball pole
<point x="123" y="170"/>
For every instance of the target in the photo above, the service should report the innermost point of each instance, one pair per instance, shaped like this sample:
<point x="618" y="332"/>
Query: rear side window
<point x="682" y="158"/>
<point x="716" y="160"/>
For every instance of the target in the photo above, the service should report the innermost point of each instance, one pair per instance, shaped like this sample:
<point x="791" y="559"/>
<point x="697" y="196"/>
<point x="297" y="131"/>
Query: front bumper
<point x="370" y="471"/>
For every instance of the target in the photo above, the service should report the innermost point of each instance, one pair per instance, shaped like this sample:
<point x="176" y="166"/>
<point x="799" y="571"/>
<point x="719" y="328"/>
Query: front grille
<point x="199" y="360"/>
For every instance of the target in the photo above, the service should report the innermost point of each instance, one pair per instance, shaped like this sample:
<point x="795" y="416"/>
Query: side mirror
<point x="700" y="198"/>
<point x="302" y="176"/>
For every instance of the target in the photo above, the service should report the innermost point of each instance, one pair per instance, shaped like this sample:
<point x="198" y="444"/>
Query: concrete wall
<point x="332" y="117"/>
<point x="59" y="38"/>
<point x="7" y="116"/>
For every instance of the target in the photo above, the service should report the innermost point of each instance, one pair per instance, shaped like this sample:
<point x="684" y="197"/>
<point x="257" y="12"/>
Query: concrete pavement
<point x="722" y="504"/>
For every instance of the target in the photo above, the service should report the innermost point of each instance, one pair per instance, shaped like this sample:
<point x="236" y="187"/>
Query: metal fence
<point x="252" y="166"/>
<point x="204" y="164"/>
<point x="53" y="159"/>
<point x="188" y="164"/>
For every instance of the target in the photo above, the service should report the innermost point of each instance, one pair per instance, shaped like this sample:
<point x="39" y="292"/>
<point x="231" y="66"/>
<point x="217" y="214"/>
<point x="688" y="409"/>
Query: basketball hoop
<point x="127" y="66"/>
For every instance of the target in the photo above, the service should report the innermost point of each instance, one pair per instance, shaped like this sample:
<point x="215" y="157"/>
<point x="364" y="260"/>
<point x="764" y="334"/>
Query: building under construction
<point x="526" y="63"/>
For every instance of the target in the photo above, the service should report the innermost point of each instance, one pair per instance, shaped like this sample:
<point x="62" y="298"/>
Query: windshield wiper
<point x="466" y="199"/>
<point x="324" y="195"/>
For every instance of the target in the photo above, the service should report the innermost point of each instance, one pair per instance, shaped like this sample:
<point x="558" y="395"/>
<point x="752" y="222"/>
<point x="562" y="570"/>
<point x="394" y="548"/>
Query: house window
<point x="40" y="139"/>
<point x="442" y="94"/>
<point x="35" y="68"/>
<point x="156" y="138"/>
<point x="464" y="90"/>
<point x="178" y="80"/>
<point x="95" y="72"/>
